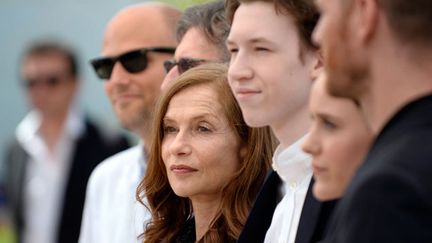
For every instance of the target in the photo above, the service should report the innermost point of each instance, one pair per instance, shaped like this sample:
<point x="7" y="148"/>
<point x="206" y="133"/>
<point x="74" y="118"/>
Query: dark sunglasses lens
<point x="186" y="64"/>
<point x="169" y="64"/>
<point x="103" y="67"/>
<point x="134" y="62"/>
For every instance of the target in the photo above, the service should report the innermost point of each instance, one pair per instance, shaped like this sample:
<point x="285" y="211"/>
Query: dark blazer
<point x="90" y="149"/>
<point x="313" y="219"/>
<point x="390" y="198"/>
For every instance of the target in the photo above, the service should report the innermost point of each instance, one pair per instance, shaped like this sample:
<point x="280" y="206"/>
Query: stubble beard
<point x="135" y="121"/>
<point x="348" y="81"/>
<point x="347" y="74"/>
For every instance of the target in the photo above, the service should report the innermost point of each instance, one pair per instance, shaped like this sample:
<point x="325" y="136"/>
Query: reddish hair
<point x="169" y="211"/>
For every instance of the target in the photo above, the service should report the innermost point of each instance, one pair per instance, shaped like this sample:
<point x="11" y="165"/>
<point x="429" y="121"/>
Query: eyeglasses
<point x="133" y="61"/>
<point x="183" y="64"/>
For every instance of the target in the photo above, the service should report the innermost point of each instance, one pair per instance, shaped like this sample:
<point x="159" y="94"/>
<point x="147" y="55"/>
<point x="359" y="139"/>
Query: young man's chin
<point x="255" y="119"/>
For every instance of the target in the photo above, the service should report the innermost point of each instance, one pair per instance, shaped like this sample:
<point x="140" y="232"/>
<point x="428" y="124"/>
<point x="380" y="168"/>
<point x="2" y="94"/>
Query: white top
<point x="294" y="168"/>
<point x="111" y="212"/>
<point x="45" y="180"/>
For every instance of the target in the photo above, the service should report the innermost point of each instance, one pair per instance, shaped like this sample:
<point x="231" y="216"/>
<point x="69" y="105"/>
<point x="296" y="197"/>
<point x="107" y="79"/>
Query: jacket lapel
<point x="261" y="214"/>
<point x="314" y="218"/>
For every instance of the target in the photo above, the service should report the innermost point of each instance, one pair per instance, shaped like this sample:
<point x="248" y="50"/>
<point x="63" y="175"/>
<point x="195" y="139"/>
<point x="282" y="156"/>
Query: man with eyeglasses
<point x="55" y="149"/>
<point x="136" y="42"/>
<point x="201" y="33"/>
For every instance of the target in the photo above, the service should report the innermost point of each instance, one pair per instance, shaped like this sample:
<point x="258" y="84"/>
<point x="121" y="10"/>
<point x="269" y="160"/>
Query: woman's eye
<point x="169" y="129"/>
<point x="328" y="124"/>
<point x="203" y="129"/>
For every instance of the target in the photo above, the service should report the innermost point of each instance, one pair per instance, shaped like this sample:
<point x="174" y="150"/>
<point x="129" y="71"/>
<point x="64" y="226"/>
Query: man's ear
<point x="317" y="66"/>
<point x="367" y="22"/>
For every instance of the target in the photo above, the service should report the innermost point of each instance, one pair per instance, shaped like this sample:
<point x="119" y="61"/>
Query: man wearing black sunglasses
<point x="201" y="33"/>
<point x="137" y="40"/>
<point x="55" y="149"/>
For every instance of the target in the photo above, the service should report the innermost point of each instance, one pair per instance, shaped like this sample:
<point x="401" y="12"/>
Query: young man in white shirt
<point x="273" y="63"/>
<point x="136" y="43"/>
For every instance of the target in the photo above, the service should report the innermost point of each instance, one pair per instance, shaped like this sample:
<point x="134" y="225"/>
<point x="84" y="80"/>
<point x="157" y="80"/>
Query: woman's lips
<point x="318" y="170"/>
<point x="182" y="169"/>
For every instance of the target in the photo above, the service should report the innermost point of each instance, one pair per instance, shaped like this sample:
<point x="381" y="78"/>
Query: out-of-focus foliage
<point x="183" y="4"/>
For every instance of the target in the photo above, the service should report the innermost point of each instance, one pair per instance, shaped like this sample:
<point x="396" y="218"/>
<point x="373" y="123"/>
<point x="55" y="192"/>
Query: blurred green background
<point x="182" y="4"/>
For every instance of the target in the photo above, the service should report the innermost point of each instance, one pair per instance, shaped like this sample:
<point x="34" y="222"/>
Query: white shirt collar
<point x="28" y="129"/>
<point x="294" y="167"/>
<point x="291" y="163"/>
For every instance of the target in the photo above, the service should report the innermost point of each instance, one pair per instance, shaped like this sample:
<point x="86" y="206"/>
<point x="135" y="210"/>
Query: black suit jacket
<point x="90" y="149"/>
<point x="390" y="198"/>
<point x="313" y="219"/>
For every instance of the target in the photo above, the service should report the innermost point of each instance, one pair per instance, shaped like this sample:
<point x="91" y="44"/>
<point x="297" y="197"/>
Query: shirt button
<point x="293" y="185"/>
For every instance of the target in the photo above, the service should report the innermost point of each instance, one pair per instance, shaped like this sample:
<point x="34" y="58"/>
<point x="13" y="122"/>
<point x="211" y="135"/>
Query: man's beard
<point x="347" y="74"/>
<point x="348" y="81"/>
<point x="135" y="122"/>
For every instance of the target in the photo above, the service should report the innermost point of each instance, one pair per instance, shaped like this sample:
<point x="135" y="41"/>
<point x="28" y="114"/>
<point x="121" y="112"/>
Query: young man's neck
<point x="294" y="127"/>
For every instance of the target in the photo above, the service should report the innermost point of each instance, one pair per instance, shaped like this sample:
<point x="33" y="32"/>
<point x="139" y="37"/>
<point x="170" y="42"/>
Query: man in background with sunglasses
<point x="201" y="33"/>
<point x="137" y="41"/>
<point x="55" y="149"/>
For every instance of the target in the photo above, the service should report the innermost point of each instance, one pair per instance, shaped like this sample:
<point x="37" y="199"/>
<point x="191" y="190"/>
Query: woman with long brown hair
<point x="205" y="164"/>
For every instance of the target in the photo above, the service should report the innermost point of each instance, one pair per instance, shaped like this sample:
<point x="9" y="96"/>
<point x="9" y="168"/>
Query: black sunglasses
<point x="133" y="61"/>
<point x="183" y="64"/>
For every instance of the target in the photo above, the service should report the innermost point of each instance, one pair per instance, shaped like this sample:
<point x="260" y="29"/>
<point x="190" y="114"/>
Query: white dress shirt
<point x="111" y="212"/>
<point x="46" y="175"/>
<point x="294" y="168"/>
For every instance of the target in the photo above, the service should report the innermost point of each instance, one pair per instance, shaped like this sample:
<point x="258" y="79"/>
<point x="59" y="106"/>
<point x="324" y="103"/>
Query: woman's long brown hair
<point x="169" y="211"/>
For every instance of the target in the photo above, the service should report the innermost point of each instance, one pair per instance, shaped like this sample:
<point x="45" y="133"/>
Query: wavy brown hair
<point x="169" y="211"/>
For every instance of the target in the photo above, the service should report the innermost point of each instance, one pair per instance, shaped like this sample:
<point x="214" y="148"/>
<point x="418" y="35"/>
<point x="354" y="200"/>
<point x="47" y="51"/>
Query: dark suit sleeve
<point x="314" y="218"/>
<point x="261" y="214"/>
<point x="388" y="207"/>
<point x="12" y="176"/>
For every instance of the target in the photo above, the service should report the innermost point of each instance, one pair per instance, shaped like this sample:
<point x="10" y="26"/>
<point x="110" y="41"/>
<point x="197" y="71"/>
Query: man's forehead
<point x="121" y="40"/>
<point x="260" y="23"/>
<point x="119" y="45"/>
<point x="195" y="44"/>
<point x="136" y="28"/>
<point x="44" y="64"/>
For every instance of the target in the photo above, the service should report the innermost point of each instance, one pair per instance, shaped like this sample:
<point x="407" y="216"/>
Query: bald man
<point x="137" y="41"/>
